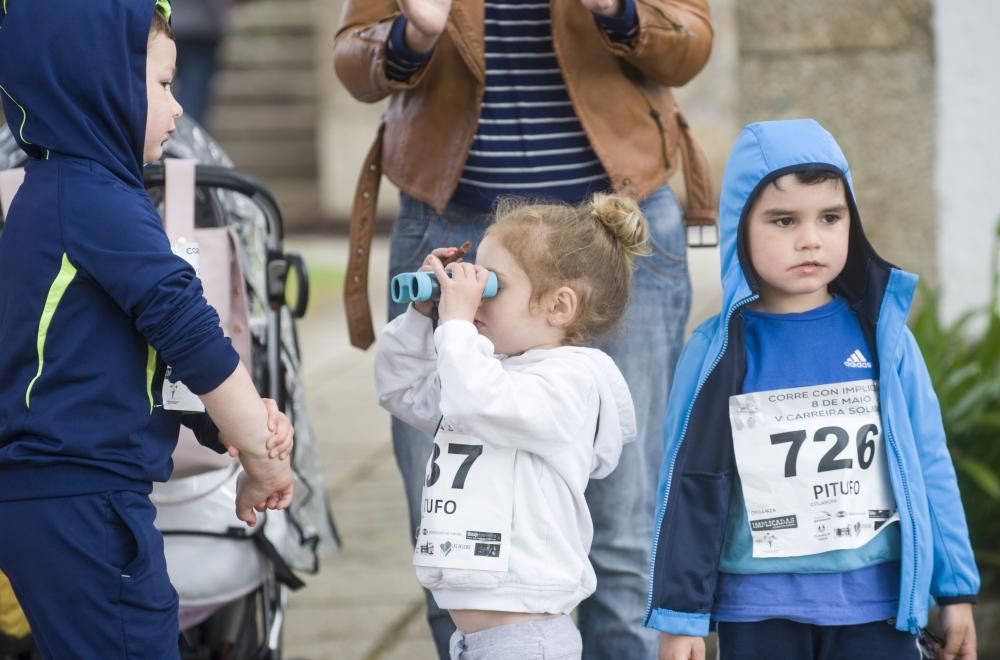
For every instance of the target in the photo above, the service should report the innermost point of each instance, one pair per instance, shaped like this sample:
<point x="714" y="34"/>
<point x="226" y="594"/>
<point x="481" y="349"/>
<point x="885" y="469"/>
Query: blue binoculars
<point x="418" y="287"/>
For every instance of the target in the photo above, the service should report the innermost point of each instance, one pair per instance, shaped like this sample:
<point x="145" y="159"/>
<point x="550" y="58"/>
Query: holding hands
<point x="272" y="484"/>
<point x="282" y="439"/>
<point x="255" y="494"/>
<point x="267" y="481"/>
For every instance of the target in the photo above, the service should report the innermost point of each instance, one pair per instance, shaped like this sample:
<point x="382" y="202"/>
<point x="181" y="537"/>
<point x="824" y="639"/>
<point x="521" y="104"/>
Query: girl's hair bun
<point x="621" y="217"/>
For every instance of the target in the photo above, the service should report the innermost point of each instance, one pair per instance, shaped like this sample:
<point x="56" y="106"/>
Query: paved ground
<point x="365" y="603"/>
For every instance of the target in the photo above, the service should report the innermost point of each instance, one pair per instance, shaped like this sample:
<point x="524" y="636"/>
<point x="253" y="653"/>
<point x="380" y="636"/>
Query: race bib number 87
<point x="813" y="467"/>
<point x="467" y="504"/>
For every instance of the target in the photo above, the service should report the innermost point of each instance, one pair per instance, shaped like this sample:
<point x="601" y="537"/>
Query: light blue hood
<point x="764" y="152"/>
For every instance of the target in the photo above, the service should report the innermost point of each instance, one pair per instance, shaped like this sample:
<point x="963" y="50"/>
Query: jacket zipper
<point x="673" y="458"/>
<point x="910" y="622"/>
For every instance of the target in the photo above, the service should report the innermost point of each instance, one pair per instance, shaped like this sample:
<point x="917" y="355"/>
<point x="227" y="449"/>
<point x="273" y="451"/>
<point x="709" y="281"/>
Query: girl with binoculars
<point x="523" y="414"/>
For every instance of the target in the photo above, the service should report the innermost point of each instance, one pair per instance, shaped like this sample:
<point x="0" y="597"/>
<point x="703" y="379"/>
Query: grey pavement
<point x="365" y="603"/>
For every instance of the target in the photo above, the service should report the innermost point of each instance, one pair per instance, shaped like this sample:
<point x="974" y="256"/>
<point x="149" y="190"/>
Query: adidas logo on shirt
<point x="857" y="360"/>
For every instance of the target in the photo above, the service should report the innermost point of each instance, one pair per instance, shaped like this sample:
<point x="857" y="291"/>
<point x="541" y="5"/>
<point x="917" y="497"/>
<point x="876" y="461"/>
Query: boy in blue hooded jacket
<point x="808" y="504"/>
<point x="93" y="305"/>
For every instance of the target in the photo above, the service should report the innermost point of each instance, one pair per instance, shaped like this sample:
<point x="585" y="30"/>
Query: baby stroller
<point x="232" y="580"/>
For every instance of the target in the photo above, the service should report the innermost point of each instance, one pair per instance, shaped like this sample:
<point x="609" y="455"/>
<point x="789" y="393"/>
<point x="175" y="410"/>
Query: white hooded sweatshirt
<point x="548" y="421"/>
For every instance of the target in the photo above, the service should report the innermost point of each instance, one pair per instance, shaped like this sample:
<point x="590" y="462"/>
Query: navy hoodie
<point x="92" y="300"/>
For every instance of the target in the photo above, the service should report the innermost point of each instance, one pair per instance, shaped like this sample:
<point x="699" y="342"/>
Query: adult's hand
<point x="603" y="7"/>
<point x="426" y="20"/>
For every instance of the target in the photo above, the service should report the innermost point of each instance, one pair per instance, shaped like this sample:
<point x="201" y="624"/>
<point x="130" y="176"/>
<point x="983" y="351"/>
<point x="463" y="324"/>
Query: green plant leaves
<point x="963" y="358"/>
<point x="981" y="473"/>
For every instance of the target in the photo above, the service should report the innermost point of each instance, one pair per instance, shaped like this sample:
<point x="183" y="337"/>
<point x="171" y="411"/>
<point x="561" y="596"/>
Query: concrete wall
<point x="266" y="100"/>
<point x="865" y="70"/>
<point x="968" y="158"/>
<point x="345" y="131"/>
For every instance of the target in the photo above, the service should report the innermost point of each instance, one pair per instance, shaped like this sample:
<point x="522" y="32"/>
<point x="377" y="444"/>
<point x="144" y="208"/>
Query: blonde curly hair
<point x="588" y="248"/>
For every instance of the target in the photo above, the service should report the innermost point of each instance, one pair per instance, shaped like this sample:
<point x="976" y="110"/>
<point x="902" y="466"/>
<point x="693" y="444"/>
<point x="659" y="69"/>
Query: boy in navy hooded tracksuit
<point x="93" y="304"/>
<point x="808" y="504"/>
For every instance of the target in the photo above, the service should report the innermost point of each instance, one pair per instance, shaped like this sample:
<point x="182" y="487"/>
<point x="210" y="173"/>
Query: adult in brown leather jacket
<point x="615" y="61"/>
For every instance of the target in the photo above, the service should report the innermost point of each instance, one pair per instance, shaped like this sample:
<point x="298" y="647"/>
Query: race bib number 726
<point x="812" y="466"/>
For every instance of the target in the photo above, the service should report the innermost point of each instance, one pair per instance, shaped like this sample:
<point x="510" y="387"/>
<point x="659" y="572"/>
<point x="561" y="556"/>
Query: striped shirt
<point x="529" y="141"/>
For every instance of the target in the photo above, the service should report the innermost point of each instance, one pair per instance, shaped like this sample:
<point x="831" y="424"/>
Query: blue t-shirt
<point x="823" y="345"/>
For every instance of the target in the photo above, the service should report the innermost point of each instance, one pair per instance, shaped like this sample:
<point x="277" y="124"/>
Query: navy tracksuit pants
<point x="90" y="574"/>
<point x="780" y="639"/>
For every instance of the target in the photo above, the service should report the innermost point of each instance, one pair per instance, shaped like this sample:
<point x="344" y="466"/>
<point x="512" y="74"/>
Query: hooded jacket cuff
<point x="205" y="431"/>
<point x="401" y="61"/>
<point x="622" y="28"/>
<point x="207" y="367"/>
<point x="679" y="623"/>
<point x="953" y="600"/>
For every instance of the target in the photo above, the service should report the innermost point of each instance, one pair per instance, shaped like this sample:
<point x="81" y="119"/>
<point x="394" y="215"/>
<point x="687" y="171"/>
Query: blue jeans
<point x="645" y="345"/>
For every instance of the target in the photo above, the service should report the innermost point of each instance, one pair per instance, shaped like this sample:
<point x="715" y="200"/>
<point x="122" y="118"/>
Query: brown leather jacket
<point x="621" y="94"/>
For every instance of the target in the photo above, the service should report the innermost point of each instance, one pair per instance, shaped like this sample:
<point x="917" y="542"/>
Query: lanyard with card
<point x="467" y="504"/>
<point x="813" y="468"/>
<point x="176" y="395"/>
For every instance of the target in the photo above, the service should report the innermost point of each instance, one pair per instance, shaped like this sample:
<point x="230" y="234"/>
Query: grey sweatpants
<point x="544" y="639"/>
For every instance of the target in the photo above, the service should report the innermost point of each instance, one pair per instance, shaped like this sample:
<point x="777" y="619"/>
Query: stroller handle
<point x="227" y="178"/>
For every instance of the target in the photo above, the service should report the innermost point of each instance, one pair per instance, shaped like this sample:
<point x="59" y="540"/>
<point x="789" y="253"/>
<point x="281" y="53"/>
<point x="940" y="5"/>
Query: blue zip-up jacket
<point x="698" y="465"/>
<point x="92" y="300"/>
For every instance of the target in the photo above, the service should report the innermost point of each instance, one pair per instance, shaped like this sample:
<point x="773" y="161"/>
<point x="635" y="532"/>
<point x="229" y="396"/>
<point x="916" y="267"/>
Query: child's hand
<point x="959" y="632"/>
<point x="427" y="306"/>
<point x="681" y="647"/>
<point x="461" y="293"/>
<point x="255" y="495"/>
<point x="280" y="444"/>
